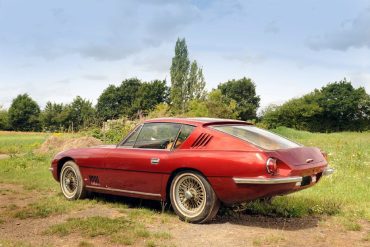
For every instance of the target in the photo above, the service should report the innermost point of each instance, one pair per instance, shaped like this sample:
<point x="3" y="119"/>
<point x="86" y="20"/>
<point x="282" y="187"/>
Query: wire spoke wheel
<point x="189" y="194"/>
<point x="69" y="182"/>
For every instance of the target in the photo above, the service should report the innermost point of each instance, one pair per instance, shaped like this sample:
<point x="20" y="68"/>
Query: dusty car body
<point x="196" y="163"/>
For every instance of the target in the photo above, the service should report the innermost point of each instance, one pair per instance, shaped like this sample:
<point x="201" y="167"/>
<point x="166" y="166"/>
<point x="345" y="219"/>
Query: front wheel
<point x="71" y="181"/>
<point x="193" y="198"/>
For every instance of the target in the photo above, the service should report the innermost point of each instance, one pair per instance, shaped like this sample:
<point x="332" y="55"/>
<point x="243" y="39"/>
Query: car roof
<point x="196" y="121"/>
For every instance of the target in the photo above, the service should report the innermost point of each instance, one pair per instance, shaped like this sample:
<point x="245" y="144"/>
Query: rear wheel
<point x="71" y="181"/>
<point x="193" y="198"/>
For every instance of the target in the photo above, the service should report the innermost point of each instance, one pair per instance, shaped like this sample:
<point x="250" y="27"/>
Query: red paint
<point x="223" y="158"/>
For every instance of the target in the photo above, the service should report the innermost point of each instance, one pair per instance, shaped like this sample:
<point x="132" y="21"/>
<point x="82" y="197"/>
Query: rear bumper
<point x="232" y="190"/>
<point x="285" y="180"/>
<point x="282" y="180"/>
<point x="328" y="171"/>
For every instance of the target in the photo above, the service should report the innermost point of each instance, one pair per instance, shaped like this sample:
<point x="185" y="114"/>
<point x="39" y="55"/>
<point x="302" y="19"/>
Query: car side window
<point x="185" y="132"/>
<point x="157" y="135"/>
<point x="130" y="142"/>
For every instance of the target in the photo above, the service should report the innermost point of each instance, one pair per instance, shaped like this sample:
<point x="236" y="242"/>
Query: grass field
<point x="345" y="196"/>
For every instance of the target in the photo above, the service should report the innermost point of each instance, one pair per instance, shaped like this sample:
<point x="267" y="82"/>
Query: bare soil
<point x="4" y="156"/>
<point x="55" y="144"/>
<point x="236" y="230"/>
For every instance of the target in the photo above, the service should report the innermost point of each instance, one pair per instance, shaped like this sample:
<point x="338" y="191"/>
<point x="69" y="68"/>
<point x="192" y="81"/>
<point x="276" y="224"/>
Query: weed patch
<point x="121" y="230"/>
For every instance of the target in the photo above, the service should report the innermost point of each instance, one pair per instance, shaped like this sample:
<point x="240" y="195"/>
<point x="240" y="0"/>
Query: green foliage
<point x="81" y="113"/>
<point x="108" y="106"/>
<point x="55" y="117"/>
<point x="195" y="83"/>
<point x="130" y="98"/>
<point x="148" y="96"/>
<point x="335" y="107"/>
<point x="187" y="80"/>
<point x="243" y="91"/>
<point x="161" y="110"/>
<point x="215" y="105"/>
<point x="114" y="132"/>
<point x="24" y="114"/>
<point x="179" y="74"/>
<point x="4" y="120"/>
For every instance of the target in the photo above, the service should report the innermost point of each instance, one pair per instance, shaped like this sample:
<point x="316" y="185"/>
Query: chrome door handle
<point x="154" y="161"/>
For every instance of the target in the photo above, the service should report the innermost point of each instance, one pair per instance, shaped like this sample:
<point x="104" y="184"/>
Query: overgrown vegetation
<point x="335" y="107"/>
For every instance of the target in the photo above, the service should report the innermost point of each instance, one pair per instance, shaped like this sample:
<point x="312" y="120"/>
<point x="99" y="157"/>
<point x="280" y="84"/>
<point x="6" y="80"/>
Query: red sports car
<point x="195" y="163"/>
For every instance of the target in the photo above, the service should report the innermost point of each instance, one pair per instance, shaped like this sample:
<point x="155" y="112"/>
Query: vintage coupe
<point x="195" y="163"/>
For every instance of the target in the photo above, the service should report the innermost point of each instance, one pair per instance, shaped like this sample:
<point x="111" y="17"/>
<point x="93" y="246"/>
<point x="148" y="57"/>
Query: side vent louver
<point x="202" y="140"/>
<point x="94" y="180"/>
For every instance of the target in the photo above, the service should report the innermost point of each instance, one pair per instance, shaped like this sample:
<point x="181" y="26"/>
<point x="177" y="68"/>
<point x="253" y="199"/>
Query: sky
<point x="56" y="50"/>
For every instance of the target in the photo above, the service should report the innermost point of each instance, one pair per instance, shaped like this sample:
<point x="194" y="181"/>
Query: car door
<point x="136" y="165"/>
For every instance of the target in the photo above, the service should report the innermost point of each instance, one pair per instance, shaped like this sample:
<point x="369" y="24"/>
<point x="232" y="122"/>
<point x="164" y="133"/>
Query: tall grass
<point x="348" y="189"/>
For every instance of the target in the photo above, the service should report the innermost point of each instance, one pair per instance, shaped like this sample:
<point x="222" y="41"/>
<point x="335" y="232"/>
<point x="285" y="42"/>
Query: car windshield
<point x="257" y="136"/>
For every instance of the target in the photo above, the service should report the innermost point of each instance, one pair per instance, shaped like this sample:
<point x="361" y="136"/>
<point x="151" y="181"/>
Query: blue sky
<point x="56" y="50"/>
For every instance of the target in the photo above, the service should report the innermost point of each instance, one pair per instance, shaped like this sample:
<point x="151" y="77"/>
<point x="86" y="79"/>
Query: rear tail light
<point x="271" y="166"/>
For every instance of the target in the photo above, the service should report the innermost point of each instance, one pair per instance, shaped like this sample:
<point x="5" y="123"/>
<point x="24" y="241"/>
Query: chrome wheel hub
<point x="188" y="195"/>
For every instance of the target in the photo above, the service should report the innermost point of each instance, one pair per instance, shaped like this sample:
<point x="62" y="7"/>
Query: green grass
<point x="18" y="142"/>
<point x="347" y="191"/>
<point x="121" y="230"/>
<point x="47" y="206"/>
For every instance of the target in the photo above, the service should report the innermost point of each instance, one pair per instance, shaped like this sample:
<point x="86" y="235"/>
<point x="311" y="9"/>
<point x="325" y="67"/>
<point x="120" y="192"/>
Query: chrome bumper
<point x="328" y="171"/>
<point x="294" y="179"/>
<point x="285" y="180"/>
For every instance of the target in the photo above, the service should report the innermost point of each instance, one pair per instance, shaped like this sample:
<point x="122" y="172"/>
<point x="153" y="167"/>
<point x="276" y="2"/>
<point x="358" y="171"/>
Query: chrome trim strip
<point x="328" y="171"/>
<point x="267" y="180"/>
<point x="123" y="191"/>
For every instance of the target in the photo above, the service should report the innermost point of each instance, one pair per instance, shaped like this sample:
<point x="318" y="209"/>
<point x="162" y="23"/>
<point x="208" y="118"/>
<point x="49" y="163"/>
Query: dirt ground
<point x="236" y="230"/>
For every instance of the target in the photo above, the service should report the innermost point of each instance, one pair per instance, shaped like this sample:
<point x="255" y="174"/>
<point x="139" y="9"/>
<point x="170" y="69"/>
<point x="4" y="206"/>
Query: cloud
<point x="96" y="77"/>
<point x="352" y="34"/>
<point x="154" y="60"/>
<point x="272" y="28"/>
<point x="107" y="31"/>
<point x="361" y="79"/>
<point x="246" y="58"/>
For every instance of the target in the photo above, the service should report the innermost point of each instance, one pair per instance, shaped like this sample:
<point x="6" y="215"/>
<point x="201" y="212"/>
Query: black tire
<point x="192" y="197"/>
<point x="71" y="182"/>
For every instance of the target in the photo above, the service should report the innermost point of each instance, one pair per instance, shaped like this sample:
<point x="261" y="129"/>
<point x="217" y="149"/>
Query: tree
<point x="55" y="117"/>
<point x="4" y="121"/>
<point x="179" y="74"/>
<point x="214" y="105"/>
<point x="243" y="91"/>
<point x="130" y="98"/>
<point x="195" y="83"/>
<point x="335" y="107"/>
<point x="108" y="106"/>
<point x="24" y="114"/>
<point x="344" y="107"/>
<point x="149" y="95"/>
<point x="80" y="113"/>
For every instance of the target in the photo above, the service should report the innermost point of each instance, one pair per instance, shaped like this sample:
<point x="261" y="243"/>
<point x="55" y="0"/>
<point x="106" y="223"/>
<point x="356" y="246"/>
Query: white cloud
<point x="352" y="34"/>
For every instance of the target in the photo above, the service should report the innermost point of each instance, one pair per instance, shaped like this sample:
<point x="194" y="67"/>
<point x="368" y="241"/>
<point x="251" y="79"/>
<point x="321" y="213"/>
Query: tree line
<point x="337" y="106"/>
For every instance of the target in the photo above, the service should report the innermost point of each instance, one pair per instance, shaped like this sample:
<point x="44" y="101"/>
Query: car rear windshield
<point x="257" y="136"/>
